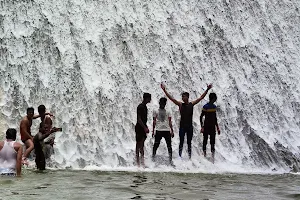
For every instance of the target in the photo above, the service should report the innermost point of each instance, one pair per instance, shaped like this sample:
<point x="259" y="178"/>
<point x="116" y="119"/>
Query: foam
<point x="90" y="66"/>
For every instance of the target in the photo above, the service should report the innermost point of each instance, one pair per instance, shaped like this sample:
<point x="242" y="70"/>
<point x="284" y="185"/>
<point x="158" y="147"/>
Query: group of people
<point x="162" y="124"/>
<point x="11" y="152"/>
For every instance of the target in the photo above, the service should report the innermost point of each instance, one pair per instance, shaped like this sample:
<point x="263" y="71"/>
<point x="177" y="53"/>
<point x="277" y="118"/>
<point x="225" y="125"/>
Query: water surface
<point x="69" y="184"/>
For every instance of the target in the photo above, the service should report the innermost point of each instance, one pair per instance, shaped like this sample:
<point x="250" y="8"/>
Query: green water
<point x="67" y="184"/>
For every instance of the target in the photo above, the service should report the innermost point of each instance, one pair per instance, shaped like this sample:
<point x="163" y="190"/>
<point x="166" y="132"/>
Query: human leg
<point x="189" y="140"/>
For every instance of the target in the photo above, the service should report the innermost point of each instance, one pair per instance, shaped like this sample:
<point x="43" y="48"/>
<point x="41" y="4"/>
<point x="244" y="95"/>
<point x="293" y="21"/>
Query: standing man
<point x="141" y="129"/>
<point x="10" y="154"/>
<point x="162" y="121"/>
<point x="38" y="140"/>
<point x="210" y="124"/>
<point x="49" y="141"/>
<point x="186" y="122"/>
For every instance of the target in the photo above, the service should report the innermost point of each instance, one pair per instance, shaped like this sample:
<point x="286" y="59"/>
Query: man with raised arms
<point x="141" y="129"/>
<point x="186" y="113"/>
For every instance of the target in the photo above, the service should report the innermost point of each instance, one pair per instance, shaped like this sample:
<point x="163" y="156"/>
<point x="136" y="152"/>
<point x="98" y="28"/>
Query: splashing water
<point x="90" y="61"/>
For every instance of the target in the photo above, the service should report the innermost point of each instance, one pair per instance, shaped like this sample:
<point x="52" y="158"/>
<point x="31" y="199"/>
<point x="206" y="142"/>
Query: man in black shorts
<point x="162" y="121"/>
<point x="141" y="129"/>
<point x="186" y="121"/>
<point x="208" y="128"/>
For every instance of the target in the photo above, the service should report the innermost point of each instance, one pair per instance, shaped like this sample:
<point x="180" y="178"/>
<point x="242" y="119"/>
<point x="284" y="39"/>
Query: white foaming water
<point x="90" y="61"/>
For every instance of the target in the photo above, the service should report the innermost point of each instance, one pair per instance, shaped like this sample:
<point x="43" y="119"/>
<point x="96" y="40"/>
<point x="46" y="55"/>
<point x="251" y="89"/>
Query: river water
<point x="73" y="184"/>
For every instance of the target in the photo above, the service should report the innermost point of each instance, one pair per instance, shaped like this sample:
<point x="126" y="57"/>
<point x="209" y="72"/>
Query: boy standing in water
<point x="163" y="122"/>
<point x="208" y="128"/>
<point x="141" y="129"/>
<point x="186" y="121"/>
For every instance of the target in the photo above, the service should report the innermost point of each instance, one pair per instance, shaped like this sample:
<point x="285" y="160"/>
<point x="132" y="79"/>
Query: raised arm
<point x="203" y="95"/>
<point x="163" y="87"/>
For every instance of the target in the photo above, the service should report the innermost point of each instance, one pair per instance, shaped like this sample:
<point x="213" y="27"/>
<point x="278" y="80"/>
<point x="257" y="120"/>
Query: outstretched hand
<point x="209" y="86"/>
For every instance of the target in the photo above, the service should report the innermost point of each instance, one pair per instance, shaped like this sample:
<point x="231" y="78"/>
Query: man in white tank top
<point x="10" y="154"/>
<point x="162" y="122"/>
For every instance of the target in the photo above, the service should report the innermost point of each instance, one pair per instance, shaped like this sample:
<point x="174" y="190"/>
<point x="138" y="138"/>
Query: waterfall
<point x="89" y="63"/>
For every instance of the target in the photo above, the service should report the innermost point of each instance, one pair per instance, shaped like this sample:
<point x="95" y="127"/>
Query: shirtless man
<point x="25" y="131"/>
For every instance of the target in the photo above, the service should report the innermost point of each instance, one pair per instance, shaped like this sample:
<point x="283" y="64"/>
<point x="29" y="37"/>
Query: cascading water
<point x="90" y="61"/>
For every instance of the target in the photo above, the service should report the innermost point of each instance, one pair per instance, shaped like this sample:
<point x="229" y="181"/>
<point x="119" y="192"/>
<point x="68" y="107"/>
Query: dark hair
<point x="11" y="134"/>
<point x="41" y="109"/>
<point x="163" y="100"/>
<point x="212" y="96"/>
<point x="185" y="94"/>
<point x="146" y="95"/>
<point x="30" y="109"/>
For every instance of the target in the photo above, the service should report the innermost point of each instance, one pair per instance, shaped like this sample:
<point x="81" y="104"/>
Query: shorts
<point x="209" y="130"/>
<point x="140" y="133"/>
<point x="25" y="140"/>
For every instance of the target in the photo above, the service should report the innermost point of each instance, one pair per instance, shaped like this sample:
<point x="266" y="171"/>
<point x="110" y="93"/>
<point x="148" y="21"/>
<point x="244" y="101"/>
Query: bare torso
<point x="25" y="128"/>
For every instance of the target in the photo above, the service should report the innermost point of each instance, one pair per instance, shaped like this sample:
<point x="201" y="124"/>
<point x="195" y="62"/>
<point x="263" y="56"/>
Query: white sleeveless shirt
<point x="8" y="158"/>
<point x="162" y="119"/>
